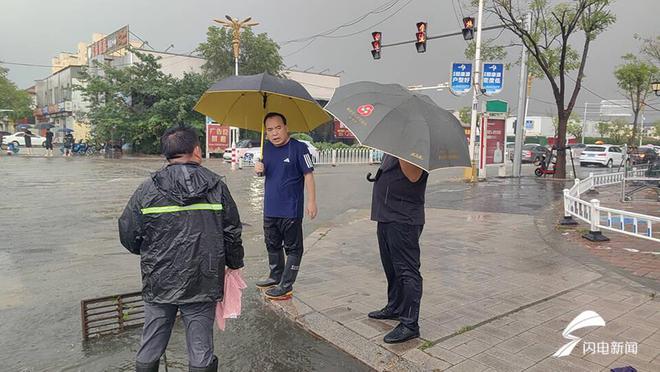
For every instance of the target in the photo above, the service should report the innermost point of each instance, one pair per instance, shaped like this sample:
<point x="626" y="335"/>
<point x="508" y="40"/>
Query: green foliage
<point x="656" y="128"/>
<point x="139" y="102"/>
<point x="619" y="132"/>
<point x="634" y="78"/>
<point x="465" y="114"/>
<point x="603" y="128"/>
<point x="259" y="53"/>
<point x="302" y="136"/>
<point x="12" y="98"/>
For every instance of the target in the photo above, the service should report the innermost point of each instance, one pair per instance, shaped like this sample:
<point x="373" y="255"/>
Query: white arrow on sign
<point x="462" y="67"/>
<point x="493" y="67"/>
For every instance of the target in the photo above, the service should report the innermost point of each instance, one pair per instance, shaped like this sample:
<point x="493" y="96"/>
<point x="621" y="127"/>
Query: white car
<point x="18" y="139"/>
<point x="606" y="155"/>
<point x="251" y="149"/>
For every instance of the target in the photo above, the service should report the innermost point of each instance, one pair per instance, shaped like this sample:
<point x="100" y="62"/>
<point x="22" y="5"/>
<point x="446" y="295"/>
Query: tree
<point x="619" y="131"/>
<point x="259" y="53"/>
<point x="603" y="128"/>
<point x="137" y="103"/>
<point x="550" y="46"/>
<point x="464" y="114"/>
<point x="12" y="98"/>
<point x="656" y="128"/>
<point x="634" y="78"/>
<point x="651" y="47"/>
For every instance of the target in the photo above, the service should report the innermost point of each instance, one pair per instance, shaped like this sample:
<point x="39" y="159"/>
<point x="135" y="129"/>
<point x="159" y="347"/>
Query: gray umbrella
<point x="396" y="121"/>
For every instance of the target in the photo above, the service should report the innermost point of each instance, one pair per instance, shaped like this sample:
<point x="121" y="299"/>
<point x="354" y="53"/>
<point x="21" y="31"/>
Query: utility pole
<point x="235" y="26"/>
<point x="522" y="106"/>
<point x="476" y="86"/>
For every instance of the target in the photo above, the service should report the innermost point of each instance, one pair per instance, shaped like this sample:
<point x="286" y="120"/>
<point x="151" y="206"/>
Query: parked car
<point x="577" y="149"/>
<point x="243" y="147"/>
<point x="606" y="155"/>
<point x="531" y="153"/>
<point x="18" y="139"/>
<point x="642" y="155"/>
<point x="251" y="149"/>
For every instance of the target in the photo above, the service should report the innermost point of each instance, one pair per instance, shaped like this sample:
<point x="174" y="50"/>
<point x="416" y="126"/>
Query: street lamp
<point x="235" y="25"/>
<point x="655" y="86"/>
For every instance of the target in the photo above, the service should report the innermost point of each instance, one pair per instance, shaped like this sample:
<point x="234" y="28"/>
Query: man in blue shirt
<point x="287" y="166"/>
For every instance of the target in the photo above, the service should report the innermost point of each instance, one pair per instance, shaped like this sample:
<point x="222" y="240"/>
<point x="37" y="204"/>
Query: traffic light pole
<point x="522" y="106"/>
<point x="441" y="36"/>
<point x="476" y="90"/>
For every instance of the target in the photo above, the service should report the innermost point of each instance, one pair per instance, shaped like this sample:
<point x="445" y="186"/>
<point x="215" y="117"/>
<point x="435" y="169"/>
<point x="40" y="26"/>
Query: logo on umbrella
<point x="365" y="110"/>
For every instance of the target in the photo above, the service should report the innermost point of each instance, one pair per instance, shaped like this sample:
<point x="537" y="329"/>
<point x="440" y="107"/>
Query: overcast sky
<point x="33" y="31"/>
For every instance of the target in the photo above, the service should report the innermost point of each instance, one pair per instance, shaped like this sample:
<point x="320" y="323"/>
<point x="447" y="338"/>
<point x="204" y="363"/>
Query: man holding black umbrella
<point x="398" y="207"/>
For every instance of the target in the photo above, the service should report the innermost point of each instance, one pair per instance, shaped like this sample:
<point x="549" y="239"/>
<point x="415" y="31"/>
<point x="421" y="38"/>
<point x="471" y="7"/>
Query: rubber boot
<point x="213" y="367"/>
<point x="285" y="289"/>
<point x="276" y="265"/>
<point x="147" y="367"/>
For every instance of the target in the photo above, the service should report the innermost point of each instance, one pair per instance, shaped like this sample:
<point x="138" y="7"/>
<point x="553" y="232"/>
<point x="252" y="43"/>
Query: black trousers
<point x="399" y="254"/>
<point x="282" y="235"/>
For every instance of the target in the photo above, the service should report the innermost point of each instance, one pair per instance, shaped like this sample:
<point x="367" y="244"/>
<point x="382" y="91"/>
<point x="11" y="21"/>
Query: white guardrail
<point x="591" y="212"/>
<point x="353" y="155"/>
<point x="347" y="156"/>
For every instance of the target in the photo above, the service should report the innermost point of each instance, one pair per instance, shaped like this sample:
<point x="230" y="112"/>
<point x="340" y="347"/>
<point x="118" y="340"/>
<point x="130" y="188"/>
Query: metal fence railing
<point x="358" y="155"/>
<point x="598" y="217"/>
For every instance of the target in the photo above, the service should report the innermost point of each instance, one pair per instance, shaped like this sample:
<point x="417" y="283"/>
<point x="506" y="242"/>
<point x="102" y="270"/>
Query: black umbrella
<point x="45" y="125"/>
<point x="407" y="125"/>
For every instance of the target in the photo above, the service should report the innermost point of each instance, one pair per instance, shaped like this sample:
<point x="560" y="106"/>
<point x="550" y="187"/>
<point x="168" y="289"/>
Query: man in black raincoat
<point x="184" y="224"/>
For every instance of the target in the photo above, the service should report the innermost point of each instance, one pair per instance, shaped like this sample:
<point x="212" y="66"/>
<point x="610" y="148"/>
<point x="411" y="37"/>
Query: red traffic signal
<point x="468" y="28"/>
<point x="376" y="44"/>
<point x="421" y="37"/>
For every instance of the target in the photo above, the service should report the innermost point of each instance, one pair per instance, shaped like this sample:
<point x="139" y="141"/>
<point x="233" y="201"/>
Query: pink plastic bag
<point x="230" y="306"/>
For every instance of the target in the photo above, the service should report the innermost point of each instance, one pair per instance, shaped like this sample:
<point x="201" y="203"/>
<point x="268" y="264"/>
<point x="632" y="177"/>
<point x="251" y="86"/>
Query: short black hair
<point x="274" y="114"/>
<point x="178" y="141"/>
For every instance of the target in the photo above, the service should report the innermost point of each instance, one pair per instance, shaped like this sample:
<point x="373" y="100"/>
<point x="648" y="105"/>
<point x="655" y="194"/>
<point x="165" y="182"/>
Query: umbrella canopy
<point x="243" y="101"/>
<point x="45" y="125"/>
<point x="23" y="126"/>
<point x="407" y="125"/>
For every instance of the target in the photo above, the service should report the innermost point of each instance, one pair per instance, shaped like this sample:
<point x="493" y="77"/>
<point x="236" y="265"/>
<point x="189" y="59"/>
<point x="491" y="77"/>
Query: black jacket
<point x="185" y="226"/>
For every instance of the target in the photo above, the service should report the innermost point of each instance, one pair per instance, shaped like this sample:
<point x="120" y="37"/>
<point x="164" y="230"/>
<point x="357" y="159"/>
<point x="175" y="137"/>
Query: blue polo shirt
<point x="285" y="168"/>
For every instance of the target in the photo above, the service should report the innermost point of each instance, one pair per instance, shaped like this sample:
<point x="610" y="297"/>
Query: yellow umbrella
<point x="243" y="101"/>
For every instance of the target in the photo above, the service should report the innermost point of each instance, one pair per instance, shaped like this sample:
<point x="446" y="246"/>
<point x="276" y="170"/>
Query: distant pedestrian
<point x="68" y="143"/>
<point x="49" y="143"/>
<point x="185" y="226"/>
<point x="398" y="207"/>
<point x="28" y="141"/>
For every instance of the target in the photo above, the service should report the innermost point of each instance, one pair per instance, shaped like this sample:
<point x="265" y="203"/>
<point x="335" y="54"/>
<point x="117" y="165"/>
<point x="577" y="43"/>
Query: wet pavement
<point x="59" y="245"/>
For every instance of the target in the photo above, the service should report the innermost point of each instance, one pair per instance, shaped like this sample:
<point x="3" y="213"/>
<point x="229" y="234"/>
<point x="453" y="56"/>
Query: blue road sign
<point x="461" y="78"/>
<point x="492" y="79"/>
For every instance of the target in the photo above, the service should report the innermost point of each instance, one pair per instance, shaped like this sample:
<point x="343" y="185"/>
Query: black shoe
<point x="147" y="367"/>
<point x="383" y="314"/>
<point x="213" y="367"/>
<point x="400" y="334"/>
<point x="267" y="283"/>
<point x="278" y="293"/>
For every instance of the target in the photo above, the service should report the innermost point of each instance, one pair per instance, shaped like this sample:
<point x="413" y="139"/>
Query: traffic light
<point x="421" y="37"/>
<point x="376" y="44"/>
<point x="468" y="28"/>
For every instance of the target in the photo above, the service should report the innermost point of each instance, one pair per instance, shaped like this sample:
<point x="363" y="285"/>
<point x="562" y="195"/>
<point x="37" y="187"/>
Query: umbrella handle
<point x="261" y="174"/>
<point x="373" y="179"/>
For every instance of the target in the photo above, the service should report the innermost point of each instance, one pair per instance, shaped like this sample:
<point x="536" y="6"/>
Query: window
<point x="595" y="149"/>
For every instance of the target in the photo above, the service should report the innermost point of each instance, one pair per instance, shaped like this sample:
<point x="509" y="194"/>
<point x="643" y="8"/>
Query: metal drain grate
<point x="111" y="314"/>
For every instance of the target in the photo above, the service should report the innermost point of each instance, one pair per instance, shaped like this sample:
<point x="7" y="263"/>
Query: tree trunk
<point x="633" y="135"/>
<point x="560" y="168"/>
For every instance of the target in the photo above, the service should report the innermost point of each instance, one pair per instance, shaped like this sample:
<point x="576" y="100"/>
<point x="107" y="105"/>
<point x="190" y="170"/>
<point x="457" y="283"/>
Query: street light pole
<point x="235" y="26"/>
<point x="522" y="105"/>
<point x="475" y="96"/>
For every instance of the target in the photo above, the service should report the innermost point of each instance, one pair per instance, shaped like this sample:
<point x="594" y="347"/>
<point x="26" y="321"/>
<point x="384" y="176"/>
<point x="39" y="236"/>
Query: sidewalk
<point x="498" y="291"/>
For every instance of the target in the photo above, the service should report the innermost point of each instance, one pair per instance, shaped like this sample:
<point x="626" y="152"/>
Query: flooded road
<point x="59" y="245"/>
